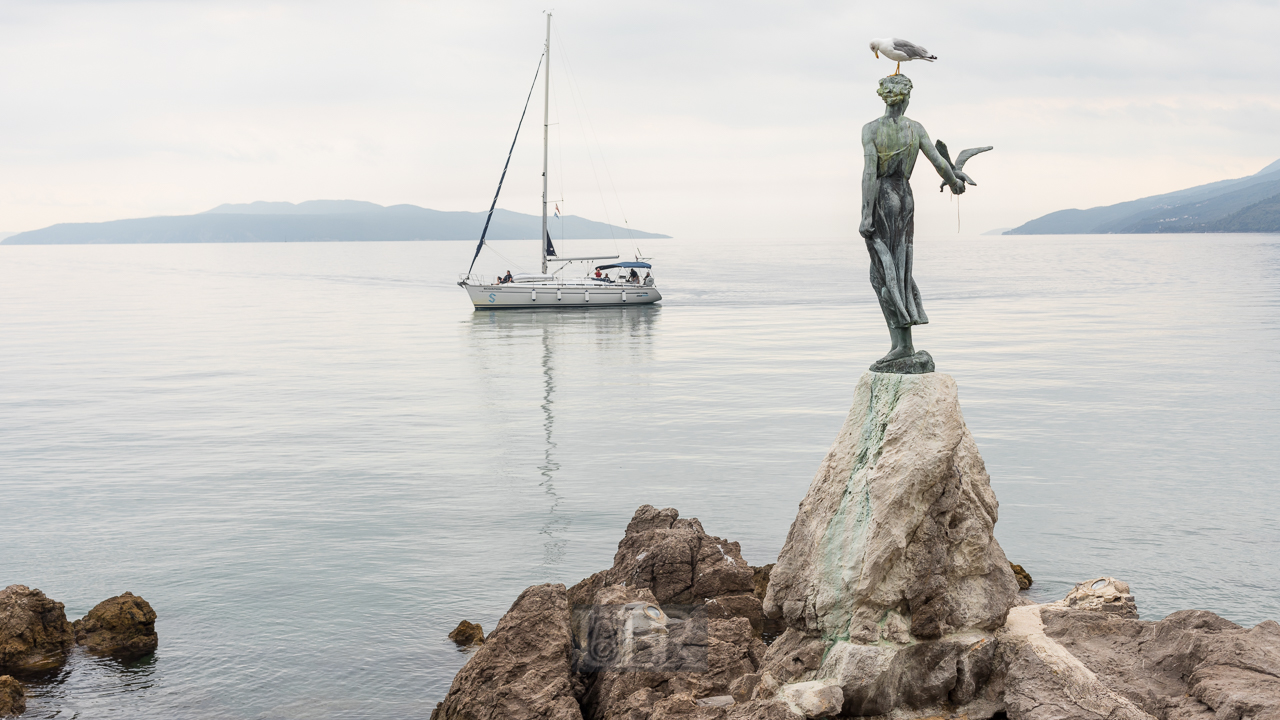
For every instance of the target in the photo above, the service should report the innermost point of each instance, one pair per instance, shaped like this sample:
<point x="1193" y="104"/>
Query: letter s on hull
<point x="492" y="297"/>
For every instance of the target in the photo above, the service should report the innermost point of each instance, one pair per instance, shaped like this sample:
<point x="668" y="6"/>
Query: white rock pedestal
<point x="891" y="582"/>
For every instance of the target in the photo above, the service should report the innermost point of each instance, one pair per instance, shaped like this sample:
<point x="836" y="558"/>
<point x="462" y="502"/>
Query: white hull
<point x="530" y="295"/>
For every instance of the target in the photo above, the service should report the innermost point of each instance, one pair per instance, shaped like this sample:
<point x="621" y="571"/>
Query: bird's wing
<point x="911" y="49"/>
<point x="942" y="150"/>
<point x="964" y="155"/>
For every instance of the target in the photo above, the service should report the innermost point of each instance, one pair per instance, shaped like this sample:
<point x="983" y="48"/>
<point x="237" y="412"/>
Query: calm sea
<point x="315" y="459"/>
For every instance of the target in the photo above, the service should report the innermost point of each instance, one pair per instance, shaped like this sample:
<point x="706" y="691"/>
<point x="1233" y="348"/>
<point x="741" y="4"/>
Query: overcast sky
<point x="725" y="119"/>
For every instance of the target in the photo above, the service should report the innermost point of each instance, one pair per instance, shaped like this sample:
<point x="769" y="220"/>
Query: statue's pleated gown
<point x="891" y="248"/>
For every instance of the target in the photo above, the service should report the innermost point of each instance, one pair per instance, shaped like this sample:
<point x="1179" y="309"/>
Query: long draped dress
<point x="893" y="216"/>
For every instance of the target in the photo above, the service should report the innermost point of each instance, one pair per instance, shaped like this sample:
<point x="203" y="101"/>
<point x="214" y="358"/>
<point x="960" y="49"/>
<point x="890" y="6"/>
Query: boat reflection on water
<point x="511" y="344"/>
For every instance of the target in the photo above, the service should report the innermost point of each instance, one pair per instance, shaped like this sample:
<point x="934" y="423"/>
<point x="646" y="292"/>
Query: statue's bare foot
<point x="896" y="353"/>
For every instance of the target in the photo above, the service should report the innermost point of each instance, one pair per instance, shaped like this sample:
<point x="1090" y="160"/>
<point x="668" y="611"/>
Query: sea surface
<point x="315" y="459"/>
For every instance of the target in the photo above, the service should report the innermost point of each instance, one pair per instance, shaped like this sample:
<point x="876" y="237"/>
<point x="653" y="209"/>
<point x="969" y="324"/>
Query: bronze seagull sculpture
<point x="961" y="159"/>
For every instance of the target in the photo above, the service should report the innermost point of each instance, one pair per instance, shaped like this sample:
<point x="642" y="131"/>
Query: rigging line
<point x="494" y="204"/>
<point x="575" y="94"/>
<point x="515" y="263"/>
<point x="608" y="174"/>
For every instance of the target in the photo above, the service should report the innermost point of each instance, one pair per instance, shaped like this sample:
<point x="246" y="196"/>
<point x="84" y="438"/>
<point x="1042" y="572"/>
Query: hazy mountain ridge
<point x="1259" y="217"/>
<point x="321" y="221"/>
<point x="1196" y="209"/>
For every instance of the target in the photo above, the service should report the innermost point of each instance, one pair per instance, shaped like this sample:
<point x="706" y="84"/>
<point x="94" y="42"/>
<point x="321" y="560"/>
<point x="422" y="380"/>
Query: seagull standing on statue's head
<point x="900" y="50"/>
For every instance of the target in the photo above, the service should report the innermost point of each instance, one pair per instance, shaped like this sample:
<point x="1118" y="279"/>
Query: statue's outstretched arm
<point x="940" y="163"/>
<point x="870" y="183"/>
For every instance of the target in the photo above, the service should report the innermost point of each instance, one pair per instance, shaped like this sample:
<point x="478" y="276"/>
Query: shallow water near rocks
<point x="315" y="459"/>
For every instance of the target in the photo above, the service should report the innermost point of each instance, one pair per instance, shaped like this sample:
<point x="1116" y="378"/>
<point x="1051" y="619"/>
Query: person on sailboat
<point x="507" y="278"/>
<point x="598" y="274"/>
<point x="634" y="276"/>
<point x="648" y="279"/>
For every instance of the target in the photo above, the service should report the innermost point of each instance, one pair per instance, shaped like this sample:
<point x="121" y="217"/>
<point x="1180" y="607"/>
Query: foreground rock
<point x="1063" y="662"/>
<point x="34" y="632"/>
<point x="13" y="701"/>
<point x="636" y="662"/>
<point x="123" y="627"/>
<point x="696" y="652"/>
<point x="891" y="582"/>
<point x="522" y="671"/>
<point x="467" y="634"/>
<point x="676" y="560"/>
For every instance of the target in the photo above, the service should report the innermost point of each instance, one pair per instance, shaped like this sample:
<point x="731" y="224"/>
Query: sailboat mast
<point x="546" y="125"/>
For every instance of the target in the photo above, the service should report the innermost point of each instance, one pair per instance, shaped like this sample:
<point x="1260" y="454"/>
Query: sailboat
<point x="634" y="284"/>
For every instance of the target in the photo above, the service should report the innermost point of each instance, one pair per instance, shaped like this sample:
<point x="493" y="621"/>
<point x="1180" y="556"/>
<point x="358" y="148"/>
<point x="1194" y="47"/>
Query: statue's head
<point x="894" y="89"/>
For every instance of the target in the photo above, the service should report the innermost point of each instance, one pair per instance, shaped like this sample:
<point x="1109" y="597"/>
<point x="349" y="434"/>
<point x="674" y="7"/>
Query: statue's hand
<point x="957" y="187"/>
<point x="866" y="228"/>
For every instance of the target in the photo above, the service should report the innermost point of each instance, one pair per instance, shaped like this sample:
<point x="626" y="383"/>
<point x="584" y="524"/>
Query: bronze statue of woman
<point x="890" y="144"/>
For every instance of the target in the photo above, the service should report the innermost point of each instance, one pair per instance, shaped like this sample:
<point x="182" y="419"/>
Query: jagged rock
<point x="13" y="700"/>
<point x="122" y="627"/>
<point x="814" y="699"/>
<point x="760" y="580"/>
<point x="467" y="634"/>
<point x="675" y="558"/>
<point x="522" y="671"/>
<point x="793" y="657"/>
<point x="891" y="570"/>
<point x="635" y="660"/>
<point x="680" y="564"/>
<point x="682" y="706"/>
<point x="1023" y="577"/>
<point x="34" y="632"/>
<point x="746" y="606"/>
<point x="762" y="710"/>
<point x="1192" y="662"/>
<point x="1062" y="661"/>
<point x="1104" y="594"/>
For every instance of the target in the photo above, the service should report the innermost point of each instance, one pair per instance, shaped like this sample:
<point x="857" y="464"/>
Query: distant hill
<point x="1198" y="209"/>
<point x="1259" y="217"/>
<point x="320" y="221"/>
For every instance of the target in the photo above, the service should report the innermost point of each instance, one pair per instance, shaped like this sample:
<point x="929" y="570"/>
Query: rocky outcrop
<point x="1061" y="661"/>
<point x="1103" y="594"/>
<point x="760" y="580"/>
<point x="522" y="671"/>
<point x="467" y="634"/>
<point x="123" y="627"/>
<point x="639" y="663"/>
<point x="671" y="630"/>
<point x="34" y="632"/>
<point x="891" y="575"/>
<point x="13" y="701"/>
<point x="676" y="560"/>
<point x="896" y="602"/>
<point x="1023" y="577"/>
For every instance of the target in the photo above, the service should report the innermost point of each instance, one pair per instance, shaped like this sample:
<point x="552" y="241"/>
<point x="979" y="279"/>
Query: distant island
<point x="320" y="221"/>
<point x="1244" y="205"/>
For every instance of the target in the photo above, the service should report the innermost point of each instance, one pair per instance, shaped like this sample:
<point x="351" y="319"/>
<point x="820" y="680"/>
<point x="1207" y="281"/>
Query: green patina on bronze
<point x="890" y="145"/>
